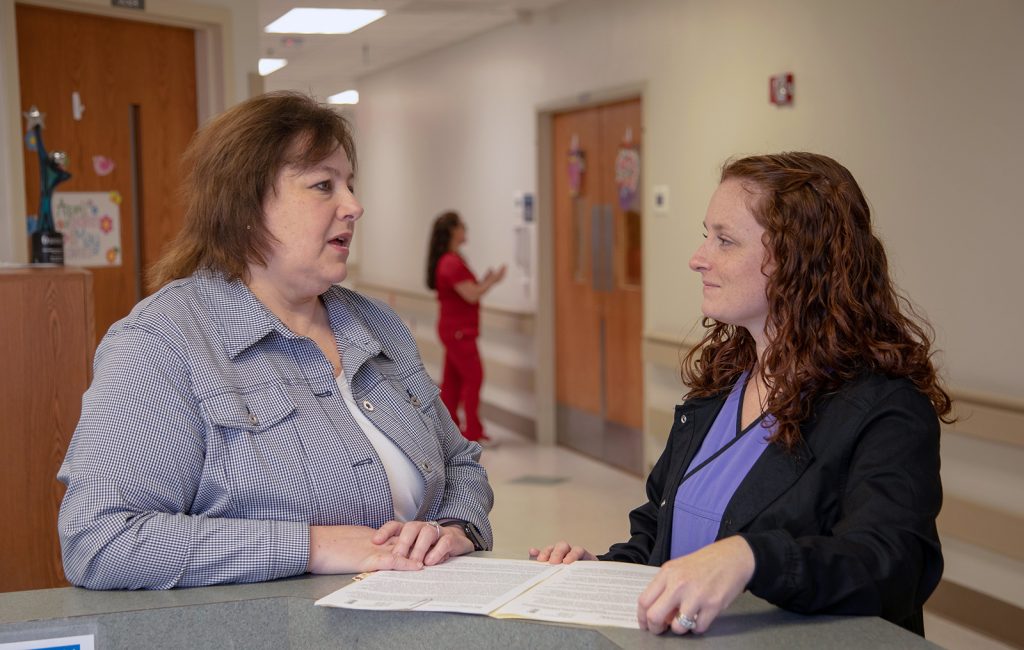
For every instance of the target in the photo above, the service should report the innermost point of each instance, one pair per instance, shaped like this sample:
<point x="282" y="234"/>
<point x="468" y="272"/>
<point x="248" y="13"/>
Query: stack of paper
<point x="585" y="593"/>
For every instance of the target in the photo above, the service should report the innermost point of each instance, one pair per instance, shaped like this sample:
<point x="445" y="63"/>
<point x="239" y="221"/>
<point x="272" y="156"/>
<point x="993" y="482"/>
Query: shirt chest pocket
<point x="255" y="412"/>
<point x="254" y="439"/>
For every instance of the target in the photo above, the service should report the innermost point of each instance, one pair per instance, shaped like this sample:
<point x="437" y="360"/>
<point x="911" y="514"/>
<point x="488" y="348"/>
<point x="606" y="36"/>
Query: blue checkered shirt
<point x="212" y="437"/>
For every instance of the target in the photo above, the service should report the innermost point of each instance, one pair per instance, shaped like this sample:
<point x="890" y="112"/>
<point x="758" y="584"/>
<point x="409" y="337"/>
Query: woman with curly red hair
<point x="804" y="463"/>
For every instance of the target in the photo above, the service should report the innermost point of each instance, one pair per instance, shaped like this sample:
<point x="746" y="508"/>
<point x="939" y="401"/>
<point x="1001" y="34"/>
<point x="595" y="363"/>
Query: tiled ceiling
<point x="331" y="63"/>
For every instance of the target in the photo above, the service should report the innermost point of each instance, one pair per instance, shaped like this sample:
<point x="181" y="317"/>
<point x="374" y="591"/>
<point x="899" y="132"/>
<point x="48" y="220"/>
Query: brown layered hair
<point x="231" y="165"/>
<point x="440" y="243"/>
<point x="833" y="311"/>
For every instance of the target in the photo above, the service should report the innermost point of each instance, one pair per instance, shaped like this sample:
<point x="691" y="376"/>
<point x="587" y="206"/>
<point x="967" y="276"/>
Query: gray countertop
<point x="281" y="614"/>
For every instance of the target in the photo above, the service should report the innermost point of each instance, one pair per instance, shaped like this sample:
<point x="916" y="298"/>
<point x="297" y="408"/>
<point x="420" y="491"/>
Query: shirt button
<point x="415" y="401"/>
<point x="682" y="419"/>
<point x="367" y="406"/>
<point x="425" y="466"/>
<point x="663" y="502"/>
<point x="253" y="420"/>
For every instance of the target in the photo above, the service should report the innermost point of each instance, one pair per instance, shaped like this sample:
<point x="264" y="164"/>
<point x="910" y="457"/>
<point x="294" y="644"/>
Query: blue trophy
<point x="47" y="243"/>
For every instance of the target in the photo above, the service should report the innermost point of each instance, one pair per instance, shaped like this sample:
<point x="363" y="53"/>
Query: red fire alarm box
<point x="780" y="89"/>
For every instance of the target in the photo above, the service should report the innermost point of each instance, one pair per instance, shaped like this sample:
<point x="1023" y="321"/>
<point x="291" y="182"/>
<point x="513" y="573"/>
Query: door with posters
<point x="119" y="97"/>
<point x="598" y="278"/>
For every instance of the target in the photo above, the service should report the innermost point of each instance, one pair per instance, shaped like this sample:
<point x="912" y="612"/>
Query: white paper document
<point x="585" y="593"/>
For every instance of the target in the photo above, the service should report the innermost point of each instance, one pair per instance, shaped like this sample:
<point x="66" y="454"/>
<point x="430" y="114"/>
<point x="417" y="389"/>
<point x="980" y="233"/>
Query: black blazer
<point x="843" y="525"/>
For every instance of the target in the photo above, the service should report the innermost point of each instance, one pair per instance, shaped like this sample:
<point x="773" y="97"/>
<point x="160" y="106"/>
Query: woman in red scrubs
<point x="459" y="323"/>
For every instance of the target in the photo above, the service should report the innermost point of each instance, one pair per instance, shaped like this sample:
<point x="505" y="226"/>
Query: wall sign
<point x="780" y="89"/>
<point x="577" y="165"/>
<point x="91" y="224"/>
<point x="627" y="172"/>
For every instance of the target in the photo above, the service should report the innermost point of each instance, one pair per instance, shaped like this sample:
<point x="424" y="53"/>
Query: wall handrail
<point x="988" y="416"/>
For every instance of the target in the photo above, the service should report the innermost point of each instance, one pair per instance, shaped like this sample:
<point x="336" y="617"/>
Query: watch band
<point x="471" y="531"/>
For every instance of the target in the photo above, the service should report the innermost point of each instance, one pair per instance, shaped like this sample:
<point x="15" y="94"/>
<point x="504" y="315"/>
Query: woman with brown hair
<point x="804" y="463"/>
<point x="252" y="419"/>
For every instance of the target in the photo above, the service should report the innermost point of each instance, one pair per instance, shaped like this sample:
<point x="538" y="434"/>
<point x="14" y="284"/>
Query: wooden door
<point x="623" y="299"/>
<point x="137" y="82"/>
<point x="578" y="308"/>
<point x="598" y="260"/>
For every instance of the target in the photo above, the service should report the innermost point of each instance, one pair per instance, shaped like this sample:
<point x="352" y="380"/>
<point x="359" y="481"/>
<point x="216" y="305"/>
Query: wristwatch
<point x="472" y="533"/>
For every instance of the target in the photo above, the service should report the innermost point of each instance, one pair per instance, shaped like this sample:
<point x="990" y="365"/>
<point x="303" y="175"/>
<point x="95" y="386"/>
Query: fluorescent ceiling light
<point x="346" y="97"/>
<point x="271" y="65"/>
<point x="323" y="21"/>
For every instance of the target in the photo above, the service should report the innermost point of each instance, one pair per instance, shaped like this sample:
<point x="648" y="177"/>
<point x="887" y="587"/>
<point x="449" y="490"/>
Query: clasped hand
<point x="396" y="546"/>
<point x="698" y="586"/>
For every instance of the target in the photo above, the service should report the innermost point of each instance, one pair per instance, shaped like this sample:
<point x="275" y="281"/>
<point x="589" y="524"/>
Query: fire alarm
<point x="780" y="89"/>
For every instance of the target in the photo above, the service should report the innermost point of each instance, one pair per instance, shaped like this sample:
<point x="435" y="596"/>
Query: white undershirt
<point x="405" y="480"/>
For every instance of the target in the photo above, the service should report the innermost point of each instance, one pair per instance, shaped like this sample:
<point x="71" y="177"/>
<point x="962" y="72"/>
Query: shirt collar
<point x="349" y="327"/>
<point x="245" y="321"/>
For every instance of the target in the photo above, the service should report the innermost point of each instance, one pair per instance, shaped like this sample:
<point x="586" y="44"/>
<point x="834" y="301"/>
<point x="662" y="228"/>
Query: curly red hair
<point x="833" y="311"/>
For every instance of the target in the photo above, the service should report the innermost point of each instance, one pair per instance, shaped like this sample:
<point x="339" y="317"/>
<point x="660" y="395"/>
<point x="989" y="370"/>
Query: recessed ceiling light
<point x="346" y="97"/>
<point x="323" y="21"/>
<point x="271" y="65"/>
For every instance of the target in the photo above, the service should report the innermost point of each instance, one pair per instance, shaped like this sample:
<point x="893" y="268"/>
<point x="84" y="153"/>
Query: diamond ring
<point x="686" y="621"/>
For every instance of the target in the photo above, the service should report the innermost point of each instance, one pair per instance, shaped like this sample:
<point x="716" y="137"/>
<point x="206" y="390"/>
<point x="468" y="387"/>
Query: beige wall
<point x="920" y="98"/>
<point x="12" y="176"/>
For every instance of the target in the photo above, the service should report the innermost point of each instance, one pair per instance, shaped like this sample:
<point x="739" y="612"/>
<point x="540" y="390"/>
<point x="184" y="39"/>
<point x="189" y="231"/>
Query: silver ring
<point x="686" y="621"/>
<point x="437" y="529"/>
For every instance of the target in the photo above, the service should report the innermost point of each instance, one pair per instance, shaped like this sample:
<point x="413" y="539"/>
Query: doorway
<point x="137" y="82"/>
<point x="598" y="261"/>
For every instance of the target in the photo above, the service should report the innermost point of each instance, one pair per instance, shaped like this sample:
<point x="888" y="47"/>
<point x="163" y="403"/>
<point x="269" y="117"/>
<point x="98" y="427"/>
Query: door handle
<point x="602" y="245"/>
<point x="596" y="254"/>
<point x="609" y="248"/>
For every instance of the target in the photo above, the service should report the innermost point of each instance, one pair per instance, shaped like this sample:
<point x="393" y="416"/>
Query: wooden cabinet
<point x="46" y="347"/>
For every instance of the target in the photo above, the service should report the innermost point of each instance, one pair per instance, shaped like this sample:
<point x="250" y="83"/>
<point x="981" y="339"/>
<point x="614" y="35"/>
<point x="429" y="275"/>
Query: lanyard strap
<point x="721" y="450"/>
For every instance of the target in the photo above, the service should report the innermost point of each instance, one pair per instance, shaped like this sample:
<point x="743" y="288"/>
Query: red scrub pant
<point x="463" y="377"/>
